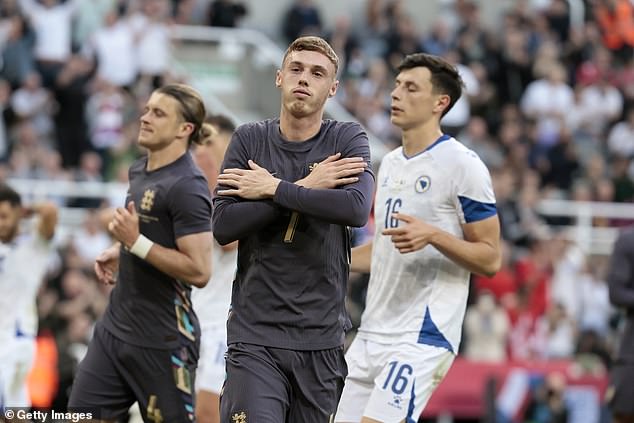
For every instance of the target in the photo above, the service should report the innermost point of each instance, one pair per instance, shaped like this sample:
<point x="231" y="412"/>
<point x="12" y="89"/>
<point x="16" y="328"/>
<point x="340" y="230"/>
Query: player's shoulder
<point x="342" y="130"/>
<point x="455" y="153"/>
<point x="255" y="128"/>
<point x="395" y="155"/>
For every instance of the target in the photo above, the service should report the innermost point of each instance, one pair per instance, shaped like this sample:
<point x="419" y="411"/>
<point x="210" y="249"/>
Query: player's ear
<point x="333" y="89"/>
<point x="442" y="102"/>
<point x="187" y="128"/>
<point x="278" y="78"/>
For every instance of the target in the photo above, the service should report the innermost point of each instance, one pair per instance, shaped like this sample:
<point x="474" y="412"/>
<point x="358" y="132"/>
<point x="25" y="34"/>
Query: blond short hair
<point x="312" y="43"/>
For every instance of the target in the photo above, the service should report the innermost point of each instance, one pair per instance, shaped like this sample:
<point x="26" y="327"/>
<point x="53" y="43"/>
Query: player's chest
<point x="416" y="189"/>
<point x="150" y="199"/>
<point x="294" y="165"/>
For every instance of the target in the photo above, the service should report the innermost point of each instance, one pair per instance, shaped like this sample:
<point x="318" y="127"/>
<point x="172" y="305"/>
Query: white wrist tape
<point x="141" y="247"/>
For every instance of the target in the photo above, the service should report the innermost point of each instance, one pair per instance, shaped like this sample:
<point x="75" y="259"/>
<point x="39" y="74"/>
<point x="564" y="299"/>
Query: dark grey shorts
<point x="622" y="382"/>
<point x="114" y="374"/>
<point x="272" y="385"/>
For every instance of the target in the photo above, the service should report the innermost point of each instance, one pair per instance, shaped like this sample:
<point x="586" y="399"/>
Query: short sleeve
<point x="190" y="206"/>
<point x="475" y="198"/>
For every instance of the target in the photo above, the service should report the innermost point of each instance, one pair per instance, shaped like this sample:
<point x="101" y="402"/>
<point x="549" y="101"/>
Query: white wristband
<point x="141" y="247"/>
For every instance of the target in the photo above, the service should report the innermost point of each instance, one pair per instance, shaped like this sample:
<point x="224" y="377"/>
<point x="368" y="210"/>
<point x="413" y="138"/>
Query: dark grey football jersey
<point x="293" y="258"/>
<point x="147" y="307"/>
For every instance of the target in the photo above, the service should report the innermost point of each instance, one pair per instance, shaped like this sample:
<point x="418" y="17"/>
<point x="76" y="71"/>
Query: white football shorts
<point x="390" y="383"/>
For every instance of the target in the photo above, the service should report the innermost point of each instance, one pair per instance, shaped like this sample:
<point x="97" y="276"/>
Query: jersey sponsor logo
<point x="397" y="402"/>
<point x="422" y="184"/>
<point x="147" y="202"/>
<point x="240" y="417"/>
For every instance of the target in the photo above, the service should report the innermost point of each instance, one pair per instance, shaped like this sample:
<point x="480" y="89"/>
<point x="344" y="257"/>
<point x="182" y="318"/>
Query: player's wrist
<point x="272" y="189"/>
<point x="141" y="247"/>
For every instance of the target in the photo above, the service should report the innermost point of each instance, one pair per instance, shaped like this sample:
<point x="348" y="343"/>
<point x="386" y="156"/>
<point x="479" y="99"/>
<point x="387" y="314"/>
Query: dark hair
<point x="445" y="78"/>
<point x="312" y="43"/>
<point x="192" y="109"/>
<point x="222" y="122"/>
<point x="9" y="194"/>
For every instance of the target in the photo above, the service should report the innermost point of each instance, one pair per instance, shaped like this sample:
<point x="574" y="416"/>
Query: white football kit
<point x="411" y="326"/>
<point x="23" y="264"/>
<point x="211" y="305"/>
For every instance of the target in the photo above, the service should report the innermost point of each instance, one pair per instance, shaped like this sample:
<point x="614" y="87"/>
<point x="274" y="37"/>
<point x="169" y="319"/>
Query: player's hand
<point x="414" y="235"/>
<point x="107" y="265"/>
<point x="255" y="183"/>
<point x="333" y="172"/>
<point x="124" y="225"/>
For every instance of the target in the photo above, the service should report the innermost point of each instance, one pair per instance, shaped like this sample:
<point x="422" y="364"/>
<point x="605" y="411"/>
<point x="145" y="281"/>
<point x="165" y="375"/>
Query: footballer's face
<point x="9" y="221"/>
<point x="162" y="122"/>
<point x="414" y="101"/>
<point x="307" y="80"/>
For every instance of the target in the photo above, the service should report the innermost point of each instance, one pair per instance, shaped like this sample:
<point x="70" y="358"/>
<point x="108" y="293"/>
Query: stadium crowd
<point x="549" y="108"/>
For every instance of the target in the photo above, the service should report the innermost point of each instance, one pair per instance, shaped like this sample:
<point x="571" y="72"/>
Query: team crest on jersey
<point x="422" y="184"/>
<point x="148" y="200"/>
<point x="312" y="166"/>
<point x="240" y="417"/>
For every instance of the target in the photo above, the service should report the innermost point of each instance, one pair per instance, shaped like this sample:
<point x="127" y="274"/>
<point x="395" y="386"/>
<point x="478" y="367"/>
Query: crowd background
<point x="548" y="106"/>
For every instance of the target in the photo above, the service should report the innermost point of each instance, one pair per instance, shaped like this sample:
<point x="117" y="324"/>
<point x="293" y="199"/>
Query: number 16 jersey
<point x="420" y="297"/>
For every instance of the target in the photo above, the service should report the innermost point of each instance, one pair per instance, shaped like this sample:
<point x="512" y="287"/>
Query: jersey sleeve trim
<point x="475" y="211"/>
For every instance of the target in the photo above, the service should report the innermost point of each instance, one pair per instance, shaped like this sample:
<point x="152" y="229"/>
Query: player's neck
<point x="418" y="139"/>
<point x="159" y="158"/>
<point x="299" y="129"/>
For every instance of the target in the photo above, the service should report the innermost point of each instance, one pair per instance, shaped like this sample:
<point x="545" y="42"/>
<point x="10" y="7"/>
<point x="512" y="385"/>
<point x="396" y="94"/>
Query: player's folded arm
<point x="234" y="218"/>
<point x="348" y="205"/>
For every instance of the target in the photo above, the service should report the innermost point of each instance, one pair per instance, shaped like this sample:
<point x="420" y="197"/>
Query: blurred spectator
<point x="554" y="334"/>
<point x="71" y="91"/>
<point x="343" y="42"/>
<point x="113" y="47"/>
<point x="548" y="403"/>
<point x="569" y="265"/>
<point x="595" y="311"/>
<point x="52" y="22"/>
<point x="34" y="103"/>
<point x="302" y="18"/>
<point x="89" y="17"/>
<point x="89" y="170"/>
<point x="616" y="20"/>
<point x="603" y="103"/>
<point x="534" y="272"/>
<point x="621" y="136"/>
<point x="547" y="100"/>
<point x="226" y="13"/>
<point x="561" y="164"/>
<point x="486" y="329"/>
<point x="403" y="38"/>
<point x="17" y="52"/>
<point x="108" y="111"/>
<point x="90" y="240"/>
<point x="476" y="136"/>
<point x="152" y="43"/>
<point x="439" y="40"/>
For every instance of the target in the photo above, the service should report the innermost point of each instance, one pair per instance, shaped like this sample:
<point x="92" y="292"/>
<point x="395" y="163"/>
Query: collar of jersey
<point x="443" y="137"/>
